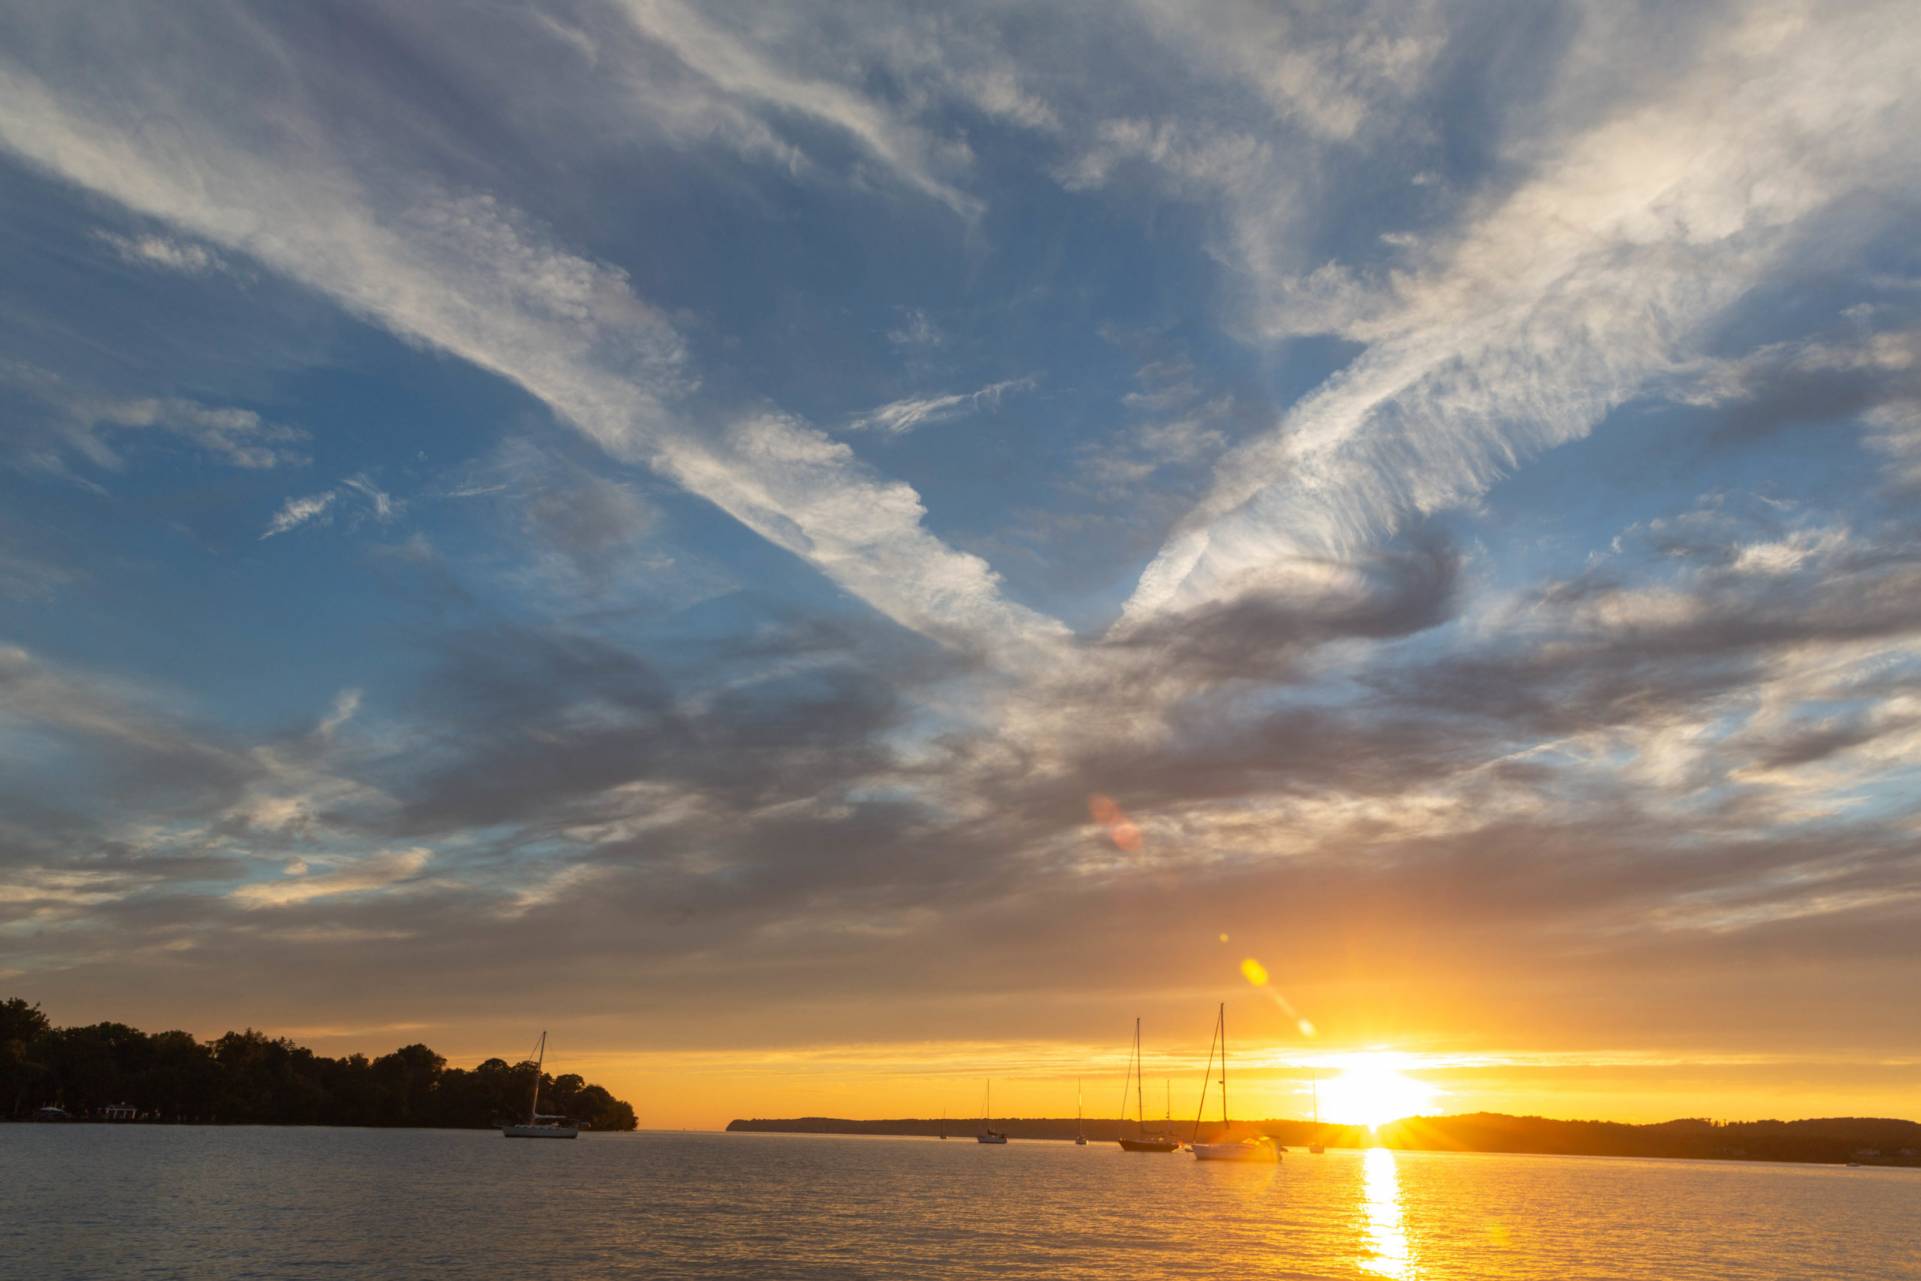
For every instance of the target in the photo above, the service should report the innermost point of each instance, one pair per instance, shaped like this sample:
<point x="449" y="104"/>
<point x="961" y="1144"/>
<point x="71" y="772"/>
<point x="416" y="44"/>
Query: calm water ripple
<point x="220" y="1204"/>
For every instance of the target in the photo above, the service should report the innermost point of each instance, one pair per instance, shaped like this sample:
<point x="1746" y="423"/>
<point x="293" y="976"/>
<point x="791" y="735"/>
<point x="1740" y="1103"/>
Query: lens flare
<point x="1256" y="975"/>
<point x="1119" y="827"/>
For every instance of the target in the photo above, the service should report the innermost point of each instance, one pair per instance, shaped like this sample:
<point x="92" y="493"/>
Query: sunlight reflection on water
<point x="1387" y="1253"/>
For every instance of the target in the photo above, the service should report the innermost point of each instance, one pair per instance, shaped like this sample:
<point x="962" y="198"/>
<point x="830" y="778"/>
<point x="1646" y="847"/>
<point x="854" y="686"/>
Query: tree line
<point x="1856" y="1140"/>
<point x="251" y="1078"/>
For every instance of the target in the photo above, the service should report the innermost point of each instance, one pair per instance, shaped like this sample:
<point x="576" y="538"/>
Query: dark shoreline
<point x="161" y="1123"/>
<point x="114" y="1074"/>
<point x="1864" y="1141"/>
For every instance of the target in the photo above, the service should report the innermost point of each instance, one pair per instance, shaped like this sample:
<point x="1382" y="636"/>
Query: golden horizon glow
<point x="1271" y="1076"/>
<point x="1371" y="1089"/>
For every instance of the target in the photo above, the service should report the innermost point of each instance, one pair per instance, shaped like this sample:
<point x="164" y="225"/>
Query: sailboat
<point x="1256" y="1149"/>
<point x="539" y="1126"/>
<point x="1146" y="1141"/>
<point x="943" y="1123"/>
<point x="1318" y="1147"/>
<point x="988" y="1133"/>
<point x="1080" y="1127"/>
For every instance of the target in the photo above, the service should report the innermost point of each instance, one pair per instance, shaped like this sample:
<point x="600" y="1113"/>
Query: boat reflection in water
<point x="1387" y="1253"/>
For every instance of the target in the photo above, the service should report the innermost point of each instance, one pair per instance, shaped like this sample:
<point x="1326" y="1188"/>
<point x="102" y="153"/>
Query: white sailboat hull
<point x="1245" y="1150"/>
<point x="541" y="1131"/>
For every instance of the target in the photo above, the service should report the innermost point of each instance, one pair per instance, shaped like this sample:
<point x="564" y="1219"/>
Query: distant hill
<point x="1868" y="1140"/>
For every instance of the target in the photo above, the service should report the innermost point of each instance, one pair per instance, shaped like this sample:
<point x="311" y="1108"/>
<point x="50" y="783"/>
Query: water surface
<point x="219" y="1203"/>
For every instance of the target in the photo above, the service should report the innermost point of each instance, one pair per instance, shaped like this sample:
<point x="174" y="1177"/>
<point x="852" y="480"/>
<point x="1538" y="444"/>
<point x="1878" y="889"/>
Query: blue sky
<point x="708" y="496"/>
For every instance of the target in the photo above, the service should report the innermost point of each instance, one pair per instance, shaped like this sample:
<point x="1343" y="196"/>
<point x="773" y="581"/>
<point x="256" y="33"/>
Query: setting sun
<point x="1371" y="1089"/>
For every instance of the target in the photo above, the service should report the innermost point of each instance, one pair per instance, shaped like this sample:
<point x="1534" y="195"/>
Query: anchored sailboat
<point x="1146" y="1141"/>
<point x="1080" y="1127"/>
<point x="539" y="1126"/>
<point x="1255" y="1149"/>
<point x="988" y="1133"/>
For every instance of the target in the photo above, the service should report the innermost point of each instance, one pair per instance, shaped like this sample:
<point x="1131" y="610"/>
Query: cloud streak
<point x="899" y="417"/>
<point x="471" y="276"/>
<point x="163" y="253"/>
<point x="376" y="872"/>
<point x="1557" y="304"/>
<point x="296" y="512"/>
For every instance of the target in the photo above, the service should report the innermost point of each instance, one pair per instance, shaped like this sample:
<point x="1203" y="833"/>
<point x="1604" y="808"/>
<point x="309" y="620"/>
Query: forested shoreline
<point x="103" y="1070"/>
<point x="1880" y="1141"/>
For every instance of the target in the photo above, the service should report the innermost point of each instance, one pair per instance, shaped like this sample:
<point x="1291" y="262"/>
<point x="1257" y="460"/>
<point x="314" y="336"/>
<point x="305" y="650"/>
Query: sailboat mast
<point x="1223" y="1071"/>
<point x="1140" y="1103"/>
<point x="540" y="1059"/>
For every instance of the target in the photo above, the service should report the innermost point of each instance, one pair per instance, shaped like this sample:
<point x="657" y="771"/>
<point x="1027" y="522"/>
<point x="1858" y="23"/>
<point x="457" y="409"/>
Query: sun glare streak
<point x="1387" y="1253"/>
<point x="1256" y="975"/>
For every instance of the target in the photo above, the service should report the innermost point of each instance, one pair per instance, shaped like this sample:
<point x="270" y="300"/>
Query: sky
<point x="825" y="553"/>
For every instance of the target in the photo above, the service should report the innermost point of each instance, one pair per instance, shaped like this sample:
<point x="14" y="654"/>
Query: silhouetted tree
<point x="20" y="1026"/>
<point x="407" y="1078"/>
<point x="251" y="1077"/>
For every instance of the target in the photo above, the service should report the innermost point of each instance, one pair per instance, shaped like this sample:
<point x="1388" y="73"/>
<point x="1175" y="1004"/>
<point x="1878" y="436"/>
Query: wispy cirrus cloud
<point x="1539" y="316"/>
<point x="739" y="69"/>
<point x="376" y="872"/>
<point x="296" y="512"/>
<point x="239" y="437"/>
<point x="382" y="505"/>
<point x="162" y="252"/>
<point x="915" y="330"/>
<point x="899" y="417"/>
<point x="372" y="503"/>
<point x="81" y="422"/>
<point x="470" y="275"/>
